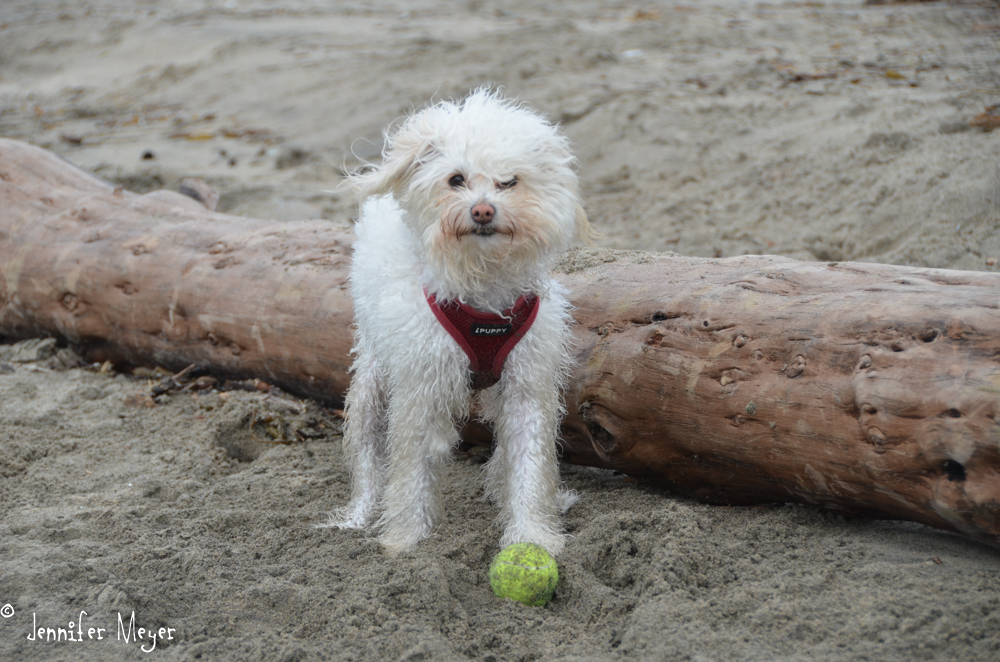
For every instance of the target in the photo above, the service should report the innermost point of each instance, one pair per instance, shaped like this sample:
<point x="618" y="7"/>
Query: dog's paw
<point x="395" y="545"/>
<point x="552" y="541"/>
<point x="565" y="499"/>
<point x="340" y="520"/>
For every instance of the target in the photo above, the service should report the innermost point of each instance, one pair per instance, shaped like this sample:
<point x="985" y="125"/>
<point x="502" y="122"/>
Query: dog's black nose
<point x="483" y="213"/>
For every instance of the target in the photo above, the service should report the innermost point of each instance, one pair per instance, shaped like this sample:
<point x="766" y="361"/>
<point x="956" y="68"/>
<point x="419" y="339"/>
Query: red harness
<point x="487" y="338"/>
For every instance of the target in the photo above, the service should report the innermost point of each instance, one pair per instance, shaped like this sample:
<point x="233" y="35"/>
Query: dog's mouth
<point x="484" y="231"/>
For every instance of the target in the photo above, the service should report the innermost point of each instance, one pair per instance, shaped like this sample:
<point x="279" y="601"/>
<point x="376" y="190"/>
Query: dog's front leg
<point x="421" y="435"/>
<point x="524" y="469"/>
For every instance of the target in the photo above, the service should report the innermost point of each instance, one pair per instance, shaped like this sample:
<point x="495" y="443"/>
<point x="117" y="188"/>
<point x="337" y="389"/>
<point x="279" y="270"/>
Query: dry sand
<point x="830" y="131"/>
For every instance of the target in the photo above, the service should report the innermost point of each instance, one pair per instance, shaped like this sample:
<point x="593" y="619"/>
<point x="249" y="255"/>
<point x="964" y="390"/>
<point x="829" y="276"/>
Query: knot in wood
<point x="876" y="436"/>
<point x="604" y="330"/>
<point x="796" y="368"/>
<point x="956" y="329"/>
<point x="70" y="302"/>
<point x="656" y="337"/>
<point x="732" y="376"/>
<point x="602" y="440"/>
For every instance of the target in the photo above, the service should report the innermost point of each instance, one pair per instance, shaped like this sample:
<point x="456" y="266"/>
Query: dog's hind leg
<point x="364" y="444"/>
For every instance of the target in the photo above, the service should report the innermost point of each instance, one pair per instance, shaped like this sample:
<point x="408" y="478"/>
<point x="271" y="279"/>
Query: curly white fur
<point x="411" y="382"/>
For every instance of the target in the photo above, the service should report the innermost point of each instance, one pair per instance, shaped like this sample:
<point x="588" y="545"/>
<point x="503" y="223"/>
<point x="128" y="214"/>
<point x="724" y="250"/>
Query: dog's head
<point x="484" y="183"/>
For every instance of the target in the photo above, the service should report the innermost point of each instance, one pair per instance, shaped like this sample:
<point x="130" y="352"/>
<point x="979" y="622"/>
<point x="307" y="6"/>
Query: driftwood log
<point x="857" y="387"/>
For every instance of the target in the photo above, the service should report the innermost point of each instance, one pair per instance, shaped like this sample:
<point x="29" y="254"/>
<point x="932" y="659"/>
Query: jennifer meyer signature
<point x="78" y="632"/>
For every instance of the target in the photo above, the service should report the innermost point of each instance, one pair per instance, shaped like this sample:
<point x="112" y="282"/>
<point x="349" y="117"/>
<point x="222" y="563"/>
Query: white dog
<point x="453" y="297"/>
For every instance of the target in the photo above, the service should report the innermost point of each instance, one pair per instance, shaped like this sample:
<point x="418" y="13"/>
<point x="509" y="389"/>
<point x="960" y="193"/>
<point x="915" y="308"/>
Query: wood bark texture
<point x="857" y="387"/>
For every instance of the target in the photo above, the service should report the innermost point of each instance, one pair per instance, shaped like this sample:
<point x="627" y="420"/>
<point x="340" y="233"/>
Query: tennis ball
<point x="524" y="572"/>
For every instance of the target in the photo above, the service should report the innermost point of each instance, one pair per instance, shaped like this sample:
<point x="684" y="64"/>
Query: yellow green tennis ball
<point x="524" y="572"/>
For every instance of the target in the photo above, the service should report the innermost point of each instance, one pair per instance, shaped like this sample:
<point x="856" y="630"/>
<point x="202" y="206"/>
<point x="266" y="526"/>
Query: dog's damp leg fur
<point x="525" y="469"/>
<point x="364" y="445"/>
<point x="422" y="427"/>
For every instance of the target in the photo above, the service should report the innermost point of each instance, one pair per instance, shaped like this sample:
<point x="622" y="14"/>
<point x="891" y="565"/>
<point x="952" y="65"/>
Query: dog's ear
<point x="404" y="153"/>
<point x="585" y="232"/>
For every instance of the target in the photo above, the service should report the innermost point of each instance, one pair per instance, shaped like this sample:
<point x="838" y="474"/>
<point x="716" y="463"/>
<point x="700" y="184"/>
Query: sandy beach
<point x="817" y="130"/>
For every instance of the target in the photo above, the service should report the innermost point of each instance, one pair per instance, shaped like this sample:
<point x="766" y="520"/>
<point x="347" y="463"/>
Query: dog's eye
<point x="456" y="181"/>
<point x="508" y="184"/>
